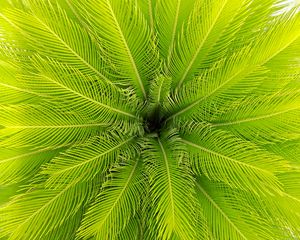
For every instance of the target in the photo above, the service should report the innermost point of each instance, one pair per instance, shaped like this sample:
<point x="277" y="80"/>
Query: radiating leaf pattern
<point x="149" y="119"/>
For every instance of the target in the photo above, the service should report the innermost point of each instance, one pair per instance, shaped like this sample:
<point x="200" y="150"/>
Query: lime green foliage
<point x="149" y="119"/>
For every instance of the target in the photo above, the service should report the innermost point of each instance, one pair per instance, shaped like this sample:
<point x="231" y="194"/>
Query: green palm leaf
<point x="215" y="159"/>
<point x="50" y="39"/>
<point x="171" y="187"/>
<point x="219" y="206"/>
<point x="42" y="208"/>
<point x="282" y="119"/>
<point x="246" y="61"/>
<point x="19" y="164"/>
<point x="114" y="206"/>
<point x="86" y="161"/>
<point x="171" y="16"/>
<point x="117" y="29"/>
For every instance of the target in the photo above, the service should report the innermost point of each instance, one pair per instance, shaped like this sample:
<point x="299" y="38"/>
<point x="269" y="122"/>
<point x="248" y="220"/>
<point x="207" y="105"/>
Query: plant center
<point x="154" y="123"/>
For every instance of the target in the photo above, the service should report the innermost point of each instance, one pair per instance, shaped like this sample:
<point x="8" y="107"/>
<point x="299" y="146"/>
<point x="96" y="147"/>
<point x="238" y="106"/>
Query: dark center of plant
<point x="154" y="122"/>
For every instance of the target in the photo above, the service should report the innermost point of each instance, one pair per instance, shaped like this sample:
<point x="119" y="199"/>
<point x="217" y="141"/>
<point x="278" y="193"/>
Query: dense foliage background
<point x="149" y="119"/>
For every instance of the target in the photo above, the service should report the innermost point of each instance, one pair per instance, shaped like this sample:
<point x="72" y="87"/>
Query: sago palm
<point x="150" y="119"/>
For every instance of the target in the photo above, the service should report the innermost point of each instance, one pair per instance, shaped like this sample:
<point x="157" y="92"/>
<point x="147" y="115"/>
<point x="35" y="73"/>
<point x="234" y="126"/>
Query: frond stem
<point x="208" y="197"/>
<point x="169" y="177"/>
<point x="127" y="49"/>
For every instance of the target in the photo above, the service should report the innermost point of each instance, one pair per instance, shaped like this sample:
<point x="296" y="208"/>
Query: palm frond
<point x="84" y="162"/>
<point x="158" y="94"/>
<point x="206" y="21"/>
<point x="18" y="165"/>
<point x="116" y="203"/>
<point x="59" y="80"/>
<point x="44" y="33"/>
<point x="279" y="112"/>
<point x="234" y="214"/>
<point x="159" y="89"/>
<point x="221" y="157"/>
<point x="169" y="19"/>
<point x="171" y="187"/>
<point x="123" y="30"/>
<point x="202" y="92"/>
<point x="40" y="126"/>
<point x="45" y="208"/>
<point x="236" y="67"/>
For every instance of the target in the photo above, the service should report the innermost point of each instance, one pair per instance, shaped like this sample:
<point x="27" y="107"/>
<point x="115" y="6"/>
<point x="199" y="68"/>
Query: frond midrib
<point x="73" y="51"/>
<point x="226" y="157"/>
<point x="103" y="220"/>
<point x="159" y="92"/>
<point x="170" y="188"/>
<point x="220" y="210"/>
<point x="252" y="119"/>
<point x="137" y="74"/>
<point x="96" y="157"/>
<point x="291" y="196"/>
<point x="200" y="46"/>
<point x="241" y="71"/>
<point x="22" y="90"/>
<point x="171" y="46"/>
<point x="151" y="15"/>
<point x="91" y="99"/>
<point x="37" y="151"/>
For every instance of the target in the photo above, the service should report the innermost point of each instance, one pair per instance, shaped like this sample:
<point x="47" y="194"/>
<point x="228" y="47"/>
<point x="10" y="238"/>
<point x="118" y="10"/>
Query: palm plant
<point x="149" y="119"/>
